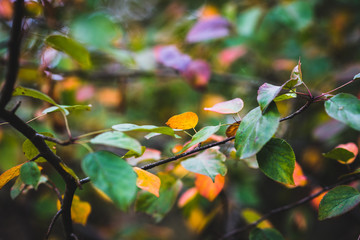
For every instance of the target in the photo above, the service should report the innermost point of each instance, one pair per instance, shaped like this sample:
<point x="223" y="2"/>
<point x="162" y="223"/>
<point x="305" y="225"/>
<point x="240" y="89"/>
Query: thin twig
<point x="52" y="186"/>
<point x="197" y="149"/>
<point x="300" y="110"/>
<point x="52" y="223"/>
<point x="335" y="89"/>
<point x="289" y="206"/>
<point x="57" y="141"/>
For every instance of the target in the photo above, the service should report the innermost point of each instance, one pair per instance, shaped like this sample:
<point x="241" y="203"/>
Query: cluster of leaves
<point x="119" y="158"/>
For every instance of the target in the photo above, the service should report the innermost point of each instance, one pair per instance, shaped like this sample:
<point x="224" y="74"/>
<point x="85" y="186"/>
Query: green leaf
<point x="69" y="108"/>
<point x="295" y="78"/>
<point x="201" y="136"/>
<point x="277" y="161"/>
<point x="266" y="94"/>
<point x="286" y="96"/>
<point x="340" y="154"/>
<point x="248" y="20"/>
<point x="112" y="175"/>
<point x="117" y="139"/>
<point x="30" y="151"/>
<point x="145" y="128"/>
<point x="158" y="207"/>
<point x="30" y="174"/>
<point x="344" y="108"/>
<point x="265" y="234"/>
<point x="97" y="30"/>
<point x="72" y="48"/>
<point x="338" y="201"/>
<point x="17" y="188"/>
<point x="210" y="163"/>
<point x="22" y="91"/>
<point x="255" y="130"/>
<point x="131" y="153"/>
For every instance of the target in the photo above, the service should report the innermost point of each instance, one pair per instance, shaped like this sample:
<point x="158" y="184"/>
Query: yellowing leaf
<point x="207" y="188"/>
<point x="351" y="147"/>
<point x="187" y="196"/>
<point x="147" y="181"/>
<point x="9" y="174"/>
<point x="80" y="210"/>
<point x="251" y="216"/>
<point x="183" y="121"/>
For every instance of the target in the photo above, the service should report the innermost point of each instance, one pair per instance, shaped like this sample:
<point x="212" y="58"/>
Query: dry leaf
<point x="183" y="121"/>
<point x="231" y="130"/>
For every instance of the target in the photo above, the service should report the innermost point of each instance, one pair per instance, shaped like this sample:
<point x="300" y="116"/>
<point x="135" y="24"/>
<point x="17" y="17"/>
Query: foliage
<point x="139" y="105"/>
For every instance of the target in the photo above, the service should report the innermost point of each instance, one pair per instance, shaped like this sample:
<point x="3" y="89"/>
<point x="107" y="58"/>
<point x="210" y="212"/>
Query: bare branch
<point x="52" y="223"/>
<point x="289" y="206"/>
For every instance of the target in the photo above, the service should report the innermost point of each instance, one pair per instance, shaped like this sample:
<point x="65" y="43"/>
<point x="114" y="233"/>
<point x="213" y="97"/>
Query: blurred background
<point x="150" y="60"/>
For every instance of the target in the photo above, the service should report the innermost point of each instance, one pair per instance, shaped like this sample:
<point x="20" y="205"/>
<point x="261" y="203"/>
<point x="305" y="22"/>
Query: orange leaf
<point x="183" y="121"/>
<point x="80" y="210"/>
<point x="9" y="174"/>
<point x="147" y="181"/>
<point x="300" y="179"/>
<point x="316" y="201"/>
<point x="207" y="188"/>
<point x="351" y="147"/>
<point x="187" y="196"/>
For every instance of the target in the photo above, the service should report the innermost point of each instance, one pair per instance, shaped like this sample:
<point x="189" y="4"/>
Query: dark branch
<point x="52" y="223"/>
<point x="300" y="110"/>
<point x="14" y="54"/>
<point x="195" y="150"/>
<point x="290" y="206"/>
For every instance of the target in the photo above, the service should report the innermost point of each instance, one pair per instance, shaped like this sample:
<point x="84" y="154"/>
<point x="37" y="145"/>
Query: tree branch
<point x="289" y="206"/>
<point x="14" y="53"/>
<point x="52" y="223"/>
<point x="22" y="127"/>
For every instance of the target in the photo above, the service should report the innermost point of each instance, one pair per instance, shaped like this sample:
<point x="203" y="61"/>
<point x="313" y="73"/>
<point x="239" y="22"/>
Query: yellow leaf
<point x="9" y="174"/>
<point x="183" y="121"/>
<point x="147" y="181"/>
<point x="80" y="210"/>
<point x="251" y="216"/>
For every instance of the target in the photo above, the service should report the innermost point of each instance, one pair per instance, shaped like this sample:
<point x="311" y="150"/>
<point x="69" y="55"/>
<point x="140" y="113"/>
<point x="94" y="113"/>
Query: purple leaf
<point x="207" y="29"/>
<point x="170" y="56"/>
<point x="197" y="73"/>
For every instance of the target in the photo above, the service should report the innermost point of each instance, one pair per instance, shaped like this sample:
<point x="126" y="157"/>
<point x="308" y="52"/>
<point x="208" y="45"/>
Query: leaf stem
<point x="335" y="89"/>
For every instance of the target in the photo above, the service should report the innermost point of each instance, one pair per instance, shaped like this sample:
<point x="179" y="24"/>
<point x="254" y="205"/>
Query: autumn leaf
<point x="147" y="181"/>
<point x="228" y="107"/>
<point x="80" y="210"/>
<point x="183" y="121"/>
<point x="9" y="174"/>
<point x="187" y="196"/>
<point x="231" y="130"/>
<point x="351" y="147"/>
<point x="207" y="188"/>
<point x="300" y="179"/>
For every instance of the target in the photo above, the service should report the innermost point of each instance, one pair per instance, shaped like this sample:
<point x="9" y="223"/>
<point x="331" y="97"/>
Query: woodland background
<point x="127" y="82"/>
